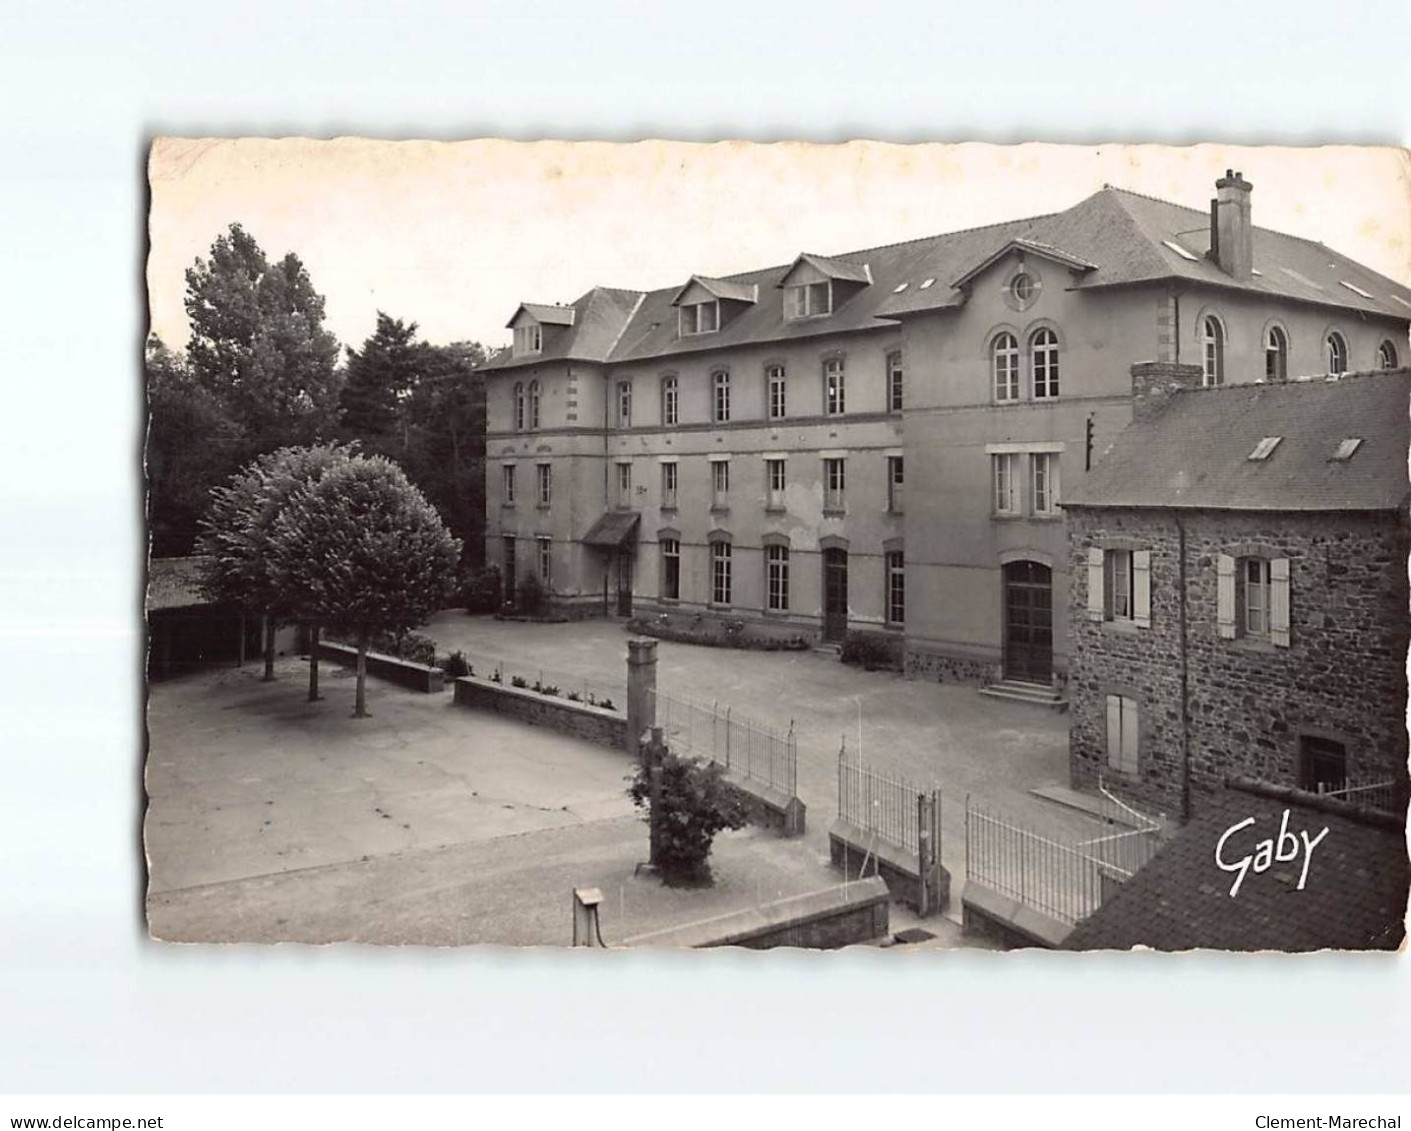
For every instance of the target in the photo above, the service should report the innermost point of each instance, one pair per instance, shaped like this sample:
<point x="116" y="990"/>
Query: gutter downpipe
<point x="1185" y="680"/>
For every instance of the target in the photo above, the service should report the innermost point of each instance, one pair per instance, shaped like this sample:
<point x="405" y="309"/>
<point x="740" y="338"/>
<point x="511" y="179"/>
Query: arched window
<point x="1336" y="348"/>
<point x="1386" y="356"/>
<point x="1043" y="363"/>
<point x="1276" y="355"/>
<point x="533" y="405"/>
<point x="1004" y="357"/>
<point x="518" y="407"/>
<point x="1212" y="337"/>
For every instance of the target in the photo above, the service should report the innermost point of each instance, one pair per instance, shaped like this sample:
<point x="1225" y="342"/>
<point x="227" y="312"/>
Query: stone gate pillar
<point x="641" y="692"/>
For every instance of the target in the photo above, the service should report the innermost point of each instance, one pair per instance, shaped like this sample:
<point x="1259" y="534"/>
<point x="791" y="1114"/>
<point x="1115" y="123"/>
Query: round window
<point x="1022" y="290"/>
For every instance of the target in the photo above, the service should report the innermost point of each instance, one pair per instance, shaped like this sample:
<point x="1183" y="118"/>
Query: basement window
<point x="1347" y="449"/>
<point x="1265" y="448"/>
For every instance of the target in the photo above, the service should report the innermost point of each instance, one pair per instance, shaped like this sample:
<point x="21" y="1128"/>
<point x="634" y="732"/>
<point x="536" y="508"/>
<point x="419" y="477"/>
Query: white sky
<point x="454" y="235"/>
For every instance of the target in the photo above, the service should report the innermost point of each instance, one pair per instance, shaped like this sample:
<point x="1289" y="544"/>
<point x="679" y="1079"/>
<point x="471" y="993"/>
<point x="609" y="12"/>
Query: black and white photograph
<point x="666" y="545"/>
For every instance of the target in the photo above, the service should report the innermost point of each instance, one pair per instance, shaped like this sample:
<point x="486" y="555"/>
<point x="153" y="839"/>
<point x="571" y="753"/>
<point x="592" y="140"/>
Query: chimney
<point x="1155" y="382"/>
<point x="1231" y="229"/>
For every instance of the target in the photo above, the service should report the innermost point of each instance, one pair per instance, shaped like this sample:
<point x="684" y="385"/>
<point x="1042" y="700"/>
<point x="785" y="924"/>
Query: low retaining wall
<point x="768" y="807"/>
<point x="850" y="846"/>
<point x="418" y="677"/>
<point x="987" y="913"/>
<point x="822" y="920"/>
<point x="596" y="724"/>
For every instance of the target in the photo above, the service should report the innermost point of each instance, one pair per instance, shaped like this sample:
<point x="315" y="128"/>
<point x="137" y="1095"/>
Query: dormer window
<point x="528" y="338"/>
<point x="808" y="300"/>
<point x="700" y="318"/>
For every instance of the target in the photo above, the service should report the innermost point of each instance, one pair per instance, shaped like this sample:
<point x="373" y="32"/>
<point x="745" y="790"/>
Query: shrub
<point x="574" y="697"/>
<point x="532" y="597"/>
<point x="870" y="651"/>
<point x="411" y="646"/>
<point x="607" y="705"/>
<point x="519" y="681"/>
<point x="455" y="665"/>
<point x="696" y="803"/>
<point x="549" y="689"/>
<point x="481" y="591"/>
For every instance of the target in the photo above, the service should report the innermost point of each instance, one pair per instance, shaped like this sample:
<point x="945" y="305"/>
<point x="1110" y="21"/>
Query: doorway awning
<point x="613" y="529"/>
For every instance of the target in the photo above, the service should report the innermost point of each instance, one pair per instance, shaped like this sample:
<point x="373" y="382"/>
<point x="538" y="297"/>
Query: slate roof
<point x="1195" y="452"/>
<point x="1112" y="238"/>
<point x="549" y="315"/>
<point x="598" y="320"/>
<point x="720" y="288"/>
<point x="1354" y="897"/>
<point x="175" y="583"/>
<point x="613" y="528"/>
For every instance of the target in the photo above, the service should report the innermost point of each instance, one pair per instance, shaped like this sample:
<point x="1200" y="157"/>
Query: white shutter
<point x="1225" y="595"/>
<point x="1114" y="731"/>
<point x="1279" y="601"/>
<point x="1129" y="735"/>
<point x="1141" y="588"/>
<point x="1096" y="601"/>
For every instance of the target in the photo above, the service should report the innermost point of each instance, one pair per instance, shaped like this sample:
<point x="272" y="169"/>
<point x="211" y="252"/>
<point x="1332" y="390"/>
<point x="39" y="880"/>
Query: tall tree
<point x="361" y="549"/>
<point x="258" y="343"/>
<point x="379" y="377"/>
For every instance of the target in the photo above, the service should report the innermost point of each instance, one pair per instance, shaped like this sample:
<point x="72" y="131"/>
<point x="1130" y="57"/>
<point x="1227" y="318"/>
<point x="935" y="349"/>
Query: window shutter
<point x="1129" y="735"/>
<point x="1114" y="731"/>
<point x="1141" y="588"/>
<point x="1279" y="601"/>
<point x="1225" y="577"/>
<point x="1096" y="601"/>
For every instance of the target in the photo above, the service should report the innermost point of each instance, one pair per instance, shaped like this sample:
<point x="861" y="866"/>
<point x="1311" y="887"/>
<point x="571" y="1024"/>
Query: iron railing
<point x="882" y="805"/>
<point x="1388" y="796"/>
<point x="738" y="743"/>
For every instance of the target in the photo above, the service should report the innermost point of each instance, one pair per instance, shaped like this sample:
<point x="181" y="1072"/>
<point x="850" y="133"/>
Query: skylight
<point x="1347" y="449"/>
<point x="899" y="288"/>
<point x="1256" y="271"/>
<point x="1265" y="448"/>
<point x="1354" y="288"/>
<point x="926" y="284"/>
<point x="1304" y="279"/>
<point x="1401" y="300"/>
<point x="1182" y="252"/>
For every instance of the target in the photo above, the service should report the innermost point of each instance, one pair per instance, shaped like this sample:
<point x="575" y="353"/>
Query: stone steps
<point x="1017" y="691"/>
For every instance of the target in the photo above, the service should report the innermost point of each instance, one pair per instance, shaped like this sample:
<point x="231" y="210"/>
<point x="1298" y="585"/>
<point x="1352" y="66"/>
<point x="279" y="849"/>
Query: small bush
<point x="574" y="697"/>
<point x="869" y="651"/>
<point x="482" y="591"/>
<point x="455" y="665"/>
<point x="532" y="597"/>
<point x="697" y="803"/>
<point x="607" y="705"/>
<point x="549" y="689"/>
<point x="495" y="677"/>
<point x="519" y="681"/>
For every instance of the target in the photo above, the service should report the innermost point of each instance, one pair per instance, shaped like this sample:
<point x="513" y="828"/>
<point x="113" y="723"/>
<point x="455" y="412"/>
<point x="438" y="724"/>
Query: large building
<point x="1239" y="605"/>
<point x="880" y="440"/>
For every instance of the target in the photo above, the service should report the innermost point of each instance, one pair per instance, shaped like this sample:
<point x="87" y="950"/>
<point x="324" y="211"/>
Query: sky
<point x="453" y="236"/>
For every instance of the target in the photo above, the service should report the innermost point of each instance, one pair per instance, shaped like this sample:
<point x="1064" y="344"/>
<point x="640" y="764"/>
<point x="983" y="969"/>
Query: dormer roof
<point x="547" y="315"/>
<point x="831" y="268"/>
<point x="719" y="288"/>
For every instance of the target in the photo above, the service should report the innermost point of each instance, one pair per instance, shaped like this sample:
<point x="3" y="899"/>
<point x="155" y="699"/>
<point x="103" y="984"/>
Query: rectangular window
<point x="720" y="483"/>
<point x="668" y="485"/>
<point x="1256" y="597"/>
<point x="1044" y="468"/>
<point x="528" y="339"/>
<point x="624" y="485"/>
<point x="895" y="477"/>
<point x="624" y="404"/>
<point x="1006" y="486"/>
<point x="896" y="587"/>
<point x="778" y="392"/>
<point x="699" y="318"/>
<point x="534" y="405"/>
<point x="1122" y="734"/>
<point x="668" y="400"/>
<point x="545" y="473"/>
<point x="720" y="573"/>
<point x="546" y="557"/>
<point x="895" y="382"/>
<point x="671" y="569"/>
<point x="1120" y="585"/>
<point x="834" y="390"/>
<point x="508" y="473"/>
<point x="834" y="484"/>
<point x="720" y="382"/>
<point x="1322" y="764"/>
<point x="775" y="471"/>
<point x="810" y="300"/>
<point x="777" y="578"/>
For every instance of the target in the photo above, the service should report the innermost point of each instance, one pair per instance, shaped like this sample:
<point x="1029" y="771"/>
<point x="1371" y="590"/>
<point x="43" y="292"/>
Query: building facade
<point x="882" y="440"/>
<point x="1239" y="599"/>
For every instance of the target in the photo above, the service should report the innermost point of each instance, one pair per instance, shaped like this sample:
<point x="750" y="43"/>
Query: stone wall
<point x="418" y="677"/>
<point x="922" y="664"/>
<point x="595" y="724"/>
<point x="823" y="920"/>
<point x="1341" y="677"/>
<point x="856" y="852"/>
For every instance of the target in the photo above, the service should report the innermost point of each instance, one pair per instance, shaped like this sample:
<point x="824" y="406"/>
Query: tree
<point x="695" y="803"/>
<point x="237" y="533"/>
<point x="258" y="343"/>
<point x="362" y="550"/>
<point x="379" y="377"/>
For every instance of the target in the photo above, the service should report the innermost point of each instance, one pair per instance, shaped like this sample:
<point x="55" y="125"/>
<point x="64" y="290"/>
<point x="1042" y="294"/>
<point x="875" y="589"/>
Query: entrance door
<point x="1028" y="622"/>
<point x="507" y="578"/>
<point x="624" y="583"/>
<point x="835" y="595"/>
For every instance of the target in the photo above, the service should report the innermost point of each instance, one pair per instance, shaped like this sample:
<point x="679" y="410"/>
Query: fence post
<point x="654" y="752"/>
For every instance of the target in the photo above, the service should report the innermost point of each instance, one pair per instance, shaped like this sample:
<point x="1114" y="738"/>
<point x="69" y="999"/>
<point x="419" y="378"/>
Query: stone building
<point x="881" y="440"/>
<point x="1239" y="600"/>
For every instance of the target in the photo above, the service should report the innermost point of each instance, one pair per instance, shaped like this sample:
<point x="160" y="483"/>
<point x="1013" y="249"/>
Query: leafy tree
<point x="379" y="377"/>
<point x="238" y="531"/>
<point x="361" y="550"/>
<point x="191" y="445"/>
<point x="258" y="343"/>
<point x="696" y="803"/>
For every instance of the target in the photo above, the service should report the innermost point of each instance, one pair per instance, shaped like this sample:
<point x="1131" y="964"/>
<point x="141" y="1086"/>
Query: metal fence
<point x="882" y="805"/>
<point x="740" y="744"/>
<point x="1387" y="796"/>
<point x="534" y="677"/>
<point x="1066" y="880"/>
